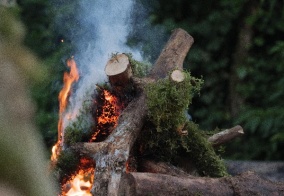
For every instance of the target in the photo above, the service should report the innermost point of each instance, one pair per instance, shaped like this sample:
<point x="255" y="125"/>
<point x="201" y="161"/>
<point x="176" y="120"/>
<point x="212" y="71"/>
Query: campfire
<point x="156" y="109"/>
<point x="107" y="109"/>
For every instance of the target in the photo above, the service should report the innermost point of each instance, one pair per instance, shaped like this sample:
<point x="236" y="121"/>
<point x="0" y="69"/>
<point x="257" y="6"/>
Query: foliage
<point x="215" y="26"/>
<point x="139" y="69"/>
<point x="167" y="101"/>
<point x="44" y="39"/>
<point x="201" y="151"/>
<point x="66" y="164"/>
<point x="80" y="129"/>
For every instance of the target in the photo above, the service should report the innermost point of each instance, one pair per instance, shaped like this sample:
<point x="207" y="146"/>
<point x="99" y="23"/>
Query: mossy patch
<point x="197" y="147"/>
<point x="167" y="103"/>
<point x="139" y="68"/>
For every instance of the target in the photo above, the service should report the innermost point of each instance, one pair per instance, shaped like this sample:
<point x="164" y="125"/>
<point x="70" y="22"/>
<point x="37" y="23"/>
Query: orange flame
<point x="81" y="182"/>
<point x="68" y="80"/>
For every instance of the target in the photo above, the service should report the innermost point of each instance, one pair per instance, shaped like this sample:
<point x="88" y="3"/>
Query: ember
<point x="107" y="115"/>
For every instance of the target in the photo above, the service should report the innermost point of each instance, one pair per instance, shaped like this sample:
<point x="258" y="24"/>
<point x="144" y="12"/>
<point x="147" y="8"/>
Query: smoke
<point x="99" y="29"/>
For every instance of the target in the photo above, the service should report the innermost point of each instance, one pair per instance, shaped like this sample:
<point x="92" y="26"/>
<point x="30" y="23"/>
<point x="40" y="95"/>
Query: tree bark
<point x="136" y="184"/>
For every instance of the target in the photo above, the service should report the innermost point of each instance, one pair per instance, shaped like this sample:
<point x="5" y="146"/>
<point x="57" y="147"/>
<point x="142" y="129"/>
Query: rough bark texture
<point x="111" y="160"/>
<point x="173" y="54"/>
<point x="160" y="184"/>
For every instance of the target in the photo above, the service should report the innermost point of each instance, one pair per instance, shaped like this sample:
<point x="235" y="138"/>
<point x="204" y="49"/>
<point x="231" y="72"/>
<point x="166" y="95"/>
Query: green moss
<point x="139" y="69"/>
<point x="167" y="101"/>
<point x="197" y="147"/>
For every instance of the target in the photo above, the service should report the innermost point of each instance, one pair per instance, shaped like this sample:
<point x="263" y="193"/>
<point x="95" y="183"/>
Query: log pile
<point x="112" y="154"/>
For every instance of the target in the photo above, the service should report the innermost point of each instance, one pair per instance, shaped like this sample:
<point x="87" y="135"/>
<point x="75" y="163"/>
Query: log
<point x="150" y="166"/>
<point x="173" y="54"/>
<point x="118" y="70"/>
<point x="111" y="160"/>
<point x="226" y="136"/>
<point x="136" y="184"/>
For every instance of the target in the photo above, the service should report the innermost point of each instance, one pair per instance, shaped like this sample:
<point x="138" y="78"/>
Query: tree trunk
<point x="244" y="41"/>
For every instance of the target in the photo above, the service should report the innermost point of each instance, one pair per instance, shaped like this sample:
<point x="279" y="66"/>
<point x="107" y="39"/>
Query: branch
<point x="226" y="135"/>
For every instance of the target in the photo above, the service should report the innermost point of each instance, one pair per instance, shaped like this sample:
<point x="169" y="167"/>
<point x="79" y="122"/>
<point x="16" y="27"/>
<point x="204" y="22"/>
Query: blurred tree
<point x="44" y="38"/>
<point x="22" y="158"/>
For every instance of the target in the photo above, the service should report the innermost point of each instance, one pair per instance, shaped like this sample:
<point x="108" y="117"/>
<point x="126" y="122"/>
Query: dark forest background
<point x="238" y="50"/>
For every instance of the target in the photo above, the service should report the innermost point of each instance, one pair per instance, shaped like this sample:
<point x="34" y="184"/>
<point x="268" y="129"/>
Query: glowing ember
<point x="68" y="80"/>
<point x="107" y="115"/>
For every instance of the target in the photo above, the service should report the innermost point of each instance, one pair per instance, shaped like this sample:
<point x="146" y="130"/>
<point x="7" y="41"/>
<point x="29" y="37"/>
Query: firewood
<point x="136" y="184"/>
<point x="118" y="70"/>
<point x="226" y="135"/>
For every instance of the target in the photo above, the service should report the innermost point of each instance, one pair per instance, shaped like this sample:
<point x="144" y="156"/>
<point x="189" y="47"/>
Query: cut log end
<point x="117" y="64"/>
<point x="177" y="76"/>
<point x="118" y="70"/>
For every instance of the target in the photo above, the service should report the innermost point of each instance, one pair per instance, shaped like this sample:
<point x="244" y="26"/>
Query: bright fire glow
<point x="81" y="182"/>
<point x="68" y="80"/>
<point x="107" y="118"/>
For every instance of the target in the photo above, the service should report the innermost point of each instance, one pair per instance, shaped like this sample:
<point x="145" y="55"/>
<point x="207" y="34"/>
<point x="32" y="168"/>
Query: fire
<point x="68" y="80"/>
<point x="81" y="182"/>
<point x="107" y="115"/>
